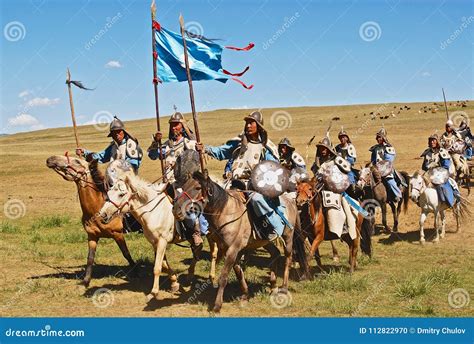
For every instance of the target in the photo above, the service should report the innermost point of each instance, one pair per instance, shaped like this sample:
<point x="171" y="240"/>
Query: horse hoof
<point x="84" y="283"/>
<point x="282" y="290"/>
<point x="436" y="241"/>
<point x="149" y="297"/>
<point x="216" y="309"/>
<point x="422" y="242"/>
<point x="175" y="287"/>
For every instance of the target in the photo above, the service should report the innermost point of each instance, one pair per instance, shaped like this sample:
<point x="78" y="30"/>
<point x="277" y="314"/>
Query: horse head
<point x="70" y="168"/>
<point x="364" y="177"/>
<point x="117" y="200"/>
<point x="193" y="196"/>
<point x="417" y="186"/>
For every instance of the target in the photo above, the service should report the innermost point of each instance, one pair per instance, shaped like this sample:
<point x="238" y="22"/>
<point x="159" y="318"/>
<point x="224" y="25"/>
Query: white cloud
<point x="38" y="127"/>
<point x="42" y="102"/>
<point x="24" y="94"/>
<point x="426" y="74"/>
<point x="113" y="64"/>
<point x="23" y="120"/>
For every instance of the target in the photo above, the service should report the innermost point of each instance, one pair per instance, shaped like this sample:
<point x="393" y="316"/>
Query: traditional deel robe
<point x="349" y="153"/>
<point x="386" y="152"/>
<point x="447" y="192"/>
<point x="127" y="150"/>
<point x="338" y="210"/>
<point x="243" y="161"/>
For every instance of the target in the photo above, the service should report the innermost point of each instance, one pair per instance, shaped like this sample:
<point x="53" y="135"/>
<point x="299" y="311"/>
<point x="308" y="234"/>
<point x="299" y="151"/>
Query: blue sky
<point x="307" y="53"/>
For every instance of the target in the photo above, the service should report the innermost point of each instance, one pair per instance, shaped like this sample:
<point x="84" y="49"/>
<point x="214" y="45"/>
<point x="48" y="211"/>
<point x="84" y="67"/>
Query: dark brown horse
<point x="375" y="194"/>
<point x="229" y="220"/>
<point x="91" y="190"/>
<point x="315" y="224"/>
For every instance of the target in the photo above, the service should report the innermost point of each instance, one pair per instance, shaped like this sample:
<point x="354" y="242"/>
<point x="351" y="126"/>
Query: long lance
<point x="68" y="82"/>
<point x="191" y="93"/>
<point x="155" y="86"/>
<point x="445" y="105"/>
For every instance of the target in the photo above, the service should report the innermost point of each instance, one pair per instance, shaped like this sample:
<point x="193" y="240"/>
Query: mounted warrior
<point x="124" y="146"/>
<point x="453" y="142"/>
<point x="436" y="157"/>
<point x="341" y="210"/>
<point x="347" y="150"/>
<point x="289" y="158"/>
<point x="246" y="151"/>
<point x="180" y="139"/>
<point x="383" y="156"/>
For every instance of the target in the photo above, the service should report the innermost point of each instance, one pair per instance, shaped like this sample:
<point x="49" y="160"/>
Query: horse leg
<point x="274" y="255"/>
<point x="120" y="240"/>
<point x="436" y="239"/>
<point x="171" y="275"/>
<point x="196" y="255"/>
<point x="384" y="216"/>
<point x="422" y="232"/>
<point x="240" y="276"/>
<point x="223" y="278"/>
<point x="92" y="242"/>
<point x="335" y="254"/>
<point x="288" y="258"/>
<point x="214" y="251"/>
<point x="443" y="224"/>
<point x="395" y="216"/>
<point x="315" y="249"/>
<point x="160" y="253"/>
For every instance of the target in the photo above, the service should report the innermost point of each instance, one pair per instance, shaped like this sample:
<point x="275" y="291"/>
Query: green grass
<point x="52" y="221"/>
<point x="8" y="227"/>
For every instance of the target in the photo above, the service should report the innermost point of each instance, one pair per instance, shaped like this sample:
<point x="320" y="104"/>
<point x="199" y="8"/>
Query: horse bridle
<point x="80" y="176"/>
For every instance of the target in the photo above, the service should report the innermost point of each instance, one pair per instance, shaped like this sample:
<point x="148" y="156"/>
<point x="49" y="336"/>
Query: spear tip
<point x="181" y="19"/>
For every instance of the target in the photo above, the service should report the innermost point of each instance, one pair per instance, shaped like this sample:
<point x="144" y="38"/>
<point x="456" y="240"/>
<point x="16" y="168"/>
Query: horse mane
<point x="97" y="176"/>
<point x="219" y="196"/>
<point x="141" y="187"/>
<point x="422" y="174"/>
<point x="375" y="174"/>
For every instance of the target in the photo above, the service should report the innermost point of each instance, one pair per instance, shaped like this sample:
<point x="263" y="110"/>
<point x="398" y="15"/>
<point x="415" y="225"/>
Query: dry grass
<point x="43" y="253"/>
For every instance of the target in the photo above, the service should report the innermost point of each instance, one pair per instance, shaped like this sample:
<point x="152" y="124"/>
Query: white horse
<point x="152" y="208"/>
<point x="426" y="197"/>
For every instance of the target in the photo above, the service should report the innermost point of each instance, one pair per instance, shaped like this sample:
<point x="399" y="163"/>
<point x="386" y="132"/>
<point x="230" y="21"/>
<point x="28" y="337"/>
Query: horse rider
<point x="340" y="209"/>
<point x="453" y="142"/>
<point x="465" y="131"/>
<point x="180" y="138"/>
<point x="246" y="151"/>
<point x="124" y="146"/>
<point x="289" y="158"/>
<point x="383" y="150"/>
<point x="435" y="156"/>
<point x="347" y="150"/>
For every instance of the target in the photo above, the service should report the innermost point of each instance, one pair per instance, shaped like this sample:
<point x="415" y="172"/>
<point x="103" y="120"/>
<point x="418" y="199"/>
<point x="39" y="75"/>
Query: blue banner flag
<point x="204" y="57"/>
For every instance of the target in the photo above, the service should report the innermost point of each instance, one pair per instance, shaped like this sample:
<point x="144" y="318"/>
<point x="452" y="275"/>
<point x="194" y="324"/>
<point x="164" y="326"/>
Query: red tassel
<point x="236" y="74"/>
<point x="155" y="80"/>
<point x="245" y="86"/>
<point x="156" y="25"/>
<point x="247" y="48"/>
<point x="155" y="55"/>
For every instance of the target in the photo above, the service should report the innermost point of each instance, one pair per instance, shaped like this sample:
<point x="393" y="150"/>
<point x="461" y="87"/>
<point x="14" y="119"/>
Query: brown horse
<point x="91" y="190"/>
<point x="315" y="224"/>
<point x="226" y="212"/>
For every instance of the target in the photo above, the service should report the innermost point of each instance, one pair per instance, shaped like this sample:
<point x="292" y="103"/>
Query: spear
<point x="155" y="86"/>
<point x="191" y="93"/>
<point x="445" y="105"/>
<point x="68" y="82"/>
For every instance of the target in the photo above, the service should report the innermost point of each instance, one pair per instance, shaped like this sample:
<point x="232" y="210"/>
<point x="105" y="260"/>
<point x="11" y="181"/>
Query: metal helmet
<point x="344" y="133"/>
<point x="257" y="117"/>
<point x="326" y="143"/>
<point x="383" y="134"/>
<point x="177" y="117"/>
<point x="116" y="124"/>
<point x="286" y="142"/>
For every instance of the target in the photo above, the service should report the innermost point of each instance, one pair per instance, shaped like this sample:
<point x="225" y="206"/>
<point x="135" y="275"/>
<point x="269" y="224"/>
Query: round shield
<point x="296" y="175"/>
<point x="385" y="167"/>
<point x="270" y="179"/>
<point x="439" y="175"/>
<point x="335" y="180"/>
<point x="458" y="147"/>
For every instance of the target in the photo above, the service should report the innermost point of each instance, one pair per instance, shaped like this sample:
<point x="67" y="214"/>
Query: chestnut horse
<point x="308" y="197"/>
<point x="91" y="190"/>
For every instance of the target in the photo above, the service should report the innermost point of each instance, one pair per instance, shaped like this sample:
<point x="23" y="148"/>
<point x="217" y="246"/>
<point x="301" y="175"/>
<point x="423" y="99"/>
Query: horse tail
<point x="464" y="210"/>
<point x="299" y="247"/>
<point x="366" y="236"/>
<point x="406" y="191"/>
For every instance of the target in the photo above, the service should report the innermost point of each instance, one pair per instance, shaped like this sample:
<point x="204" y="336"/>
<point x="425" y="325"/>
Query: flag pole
<point x="445" y="105"/>
<point x="68" y="82"/>
<point x="155" y="86"/>
<point x="191" y="93"/>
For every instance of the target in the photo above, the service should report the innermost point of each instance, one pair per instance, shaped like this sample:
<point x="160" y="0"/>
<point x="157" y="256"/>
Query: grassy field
<point x="44" y="250"/>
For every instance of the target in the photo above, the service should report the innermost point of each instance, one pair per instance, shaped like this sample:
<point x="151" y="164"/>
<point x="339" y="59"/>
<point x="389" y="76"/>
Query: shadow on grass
<point x="411" y="237"/>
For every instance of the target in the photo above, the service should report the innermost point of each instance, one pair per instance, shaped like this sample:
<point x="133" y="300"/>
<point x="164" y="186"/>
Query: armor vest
<point x="246" y="161"/>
